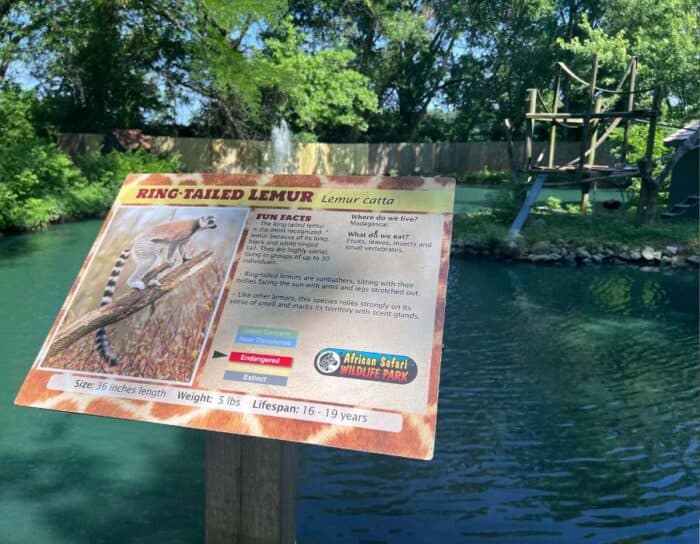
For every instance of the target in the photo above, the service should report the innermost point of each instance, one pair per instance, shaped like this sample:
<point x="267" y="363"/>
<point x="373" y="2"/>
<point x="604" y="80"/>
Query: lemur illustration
<point x="147" y="253"/>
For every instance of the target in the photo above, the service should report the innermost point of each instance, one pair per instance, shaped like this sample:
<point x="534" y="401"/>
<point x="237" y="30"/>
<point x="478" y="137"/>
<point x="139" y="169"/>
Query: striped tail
<point x="102" y="345"/>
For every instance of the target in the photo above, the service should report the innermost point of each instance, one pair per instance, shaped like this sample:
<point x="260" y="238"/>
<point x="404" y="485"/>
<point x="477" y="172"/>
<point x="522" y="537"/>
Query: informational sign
<point x="301" y="308"/>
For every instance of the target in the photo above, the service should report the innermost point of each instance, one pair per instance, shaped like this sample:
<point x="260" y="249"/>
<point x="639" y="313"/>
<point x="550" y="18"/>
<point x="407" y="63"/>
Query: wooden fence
<point x="428" y="159"/>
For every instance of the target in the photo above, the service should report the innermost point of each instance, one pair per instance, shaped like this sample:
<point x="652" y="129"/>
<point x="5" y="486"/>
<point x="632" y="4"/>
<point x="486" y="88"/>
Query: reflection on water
<point x="568" y="413"/>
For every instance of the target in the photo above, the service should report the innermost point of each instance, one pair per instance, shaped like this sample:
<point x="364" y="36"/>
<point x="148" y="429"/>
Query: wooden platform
<point x="597" y="173"/>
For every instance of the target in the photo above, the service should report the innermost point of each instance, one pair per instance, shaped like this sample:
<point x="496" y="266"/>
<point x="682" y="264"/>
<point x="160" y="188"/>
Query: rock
<point x="693" y="259"/>
<point x="541" y="248"/>
<point x="625" y="256"/>
<point x="657" y="255"/>
<point x="597" y="258"/>
<point x="671" y="250"/>
<point x="649" y="268"/>
<point x="583" y="253"/>
<point x="648" y="253"/>
<point x="635" y="255"/>
<point x="665" y="260"/>
<point x="677" y="262"/>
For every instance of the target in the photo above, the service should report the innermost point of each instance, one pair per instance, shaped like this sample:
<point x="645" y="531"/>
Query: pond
<point x="568" y="413"/>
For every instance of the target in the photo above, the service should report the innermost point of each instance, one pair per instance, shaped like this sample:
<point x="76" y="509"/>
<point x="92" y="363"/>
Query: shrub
<point x="35" y="177"/>
<point x="39" y="184"/>
<point x="485" y="177"/>
<point x="553" y="203"/>
<point x="110" y="170"/>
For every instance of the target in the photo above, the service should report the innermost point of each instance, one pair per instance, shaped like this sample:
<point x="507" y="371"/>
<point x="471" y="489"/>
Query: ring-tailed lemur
<point x="147" y="252"/>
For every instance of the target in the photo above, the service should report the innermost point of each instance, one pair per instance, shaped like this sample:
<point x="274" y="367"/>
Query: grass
<point x="489" y="229"/>
<point x="486" y="177"/>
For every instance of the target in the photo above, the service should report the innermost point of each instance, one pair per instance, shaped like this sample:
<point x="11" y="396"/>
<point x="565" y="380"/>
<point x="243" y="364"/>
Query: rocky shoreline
<point x="563" y="252"/>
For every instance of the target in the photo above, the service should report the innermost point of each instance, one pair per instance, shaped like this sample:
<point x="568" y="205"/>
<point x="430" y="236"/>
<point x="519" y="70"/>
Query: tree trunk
<point x="650" y="208"/>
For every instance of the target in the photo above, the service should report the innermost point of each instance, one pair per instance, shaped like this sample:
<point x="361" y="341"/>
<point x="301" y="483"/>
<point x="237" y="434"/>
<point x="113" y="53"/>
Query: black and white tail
<point x="102" y="345"/>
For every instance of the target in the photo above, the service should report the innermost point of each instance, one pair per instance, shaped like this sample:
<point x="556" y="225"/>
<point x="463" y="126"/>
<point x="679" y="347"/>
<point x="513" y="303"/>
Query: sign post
<point x="251" y="490"/>
<point x="268" y="309"/>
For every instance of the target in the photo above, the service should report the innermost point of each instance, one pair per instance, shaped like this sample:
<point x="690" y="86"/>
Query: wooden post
<point x="594" y="134"/>
<point x="630" y="107"/>
<point x="586" y="188"/>
<point x="553" y="133"/>
<point x="251" y="486"/>
<point x="585" y="137"/>
<point x="530" y="132"/>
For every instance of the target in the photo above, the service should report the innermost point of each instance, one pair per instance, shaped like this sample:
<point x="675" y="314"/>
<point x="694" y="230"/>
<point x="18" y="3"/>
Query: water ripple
<point x="568" y="413"/>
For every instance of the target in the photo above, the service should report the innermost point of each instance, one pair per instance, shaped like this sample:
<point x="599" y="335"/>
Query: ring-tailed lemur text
<point x="147" y="252"/>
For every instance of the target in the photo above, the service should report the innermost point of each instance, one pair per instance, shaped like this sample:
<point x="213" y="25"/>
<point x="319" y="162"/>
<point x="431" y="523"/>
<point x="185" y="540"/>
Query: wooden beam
<point x="630" y="106"/>
<point x="129" y="303"/>
<point x="553" y="132"/>
<point x="530" y="132"/>
<point x="577" y="116"/>
<point x="594" y="136"/>
<point x="585" y="144"/>
<point x="514" y="170"/>
<point x="251" y="487"/>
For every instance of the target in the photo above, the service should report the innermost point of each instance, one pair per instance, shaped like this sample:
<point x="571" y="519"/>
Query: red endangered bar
<point x="259" y="359"/>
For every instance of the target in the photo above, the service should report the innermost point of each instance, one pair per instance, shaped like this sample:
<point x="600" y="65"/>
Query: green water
<point x="568" y="413"/>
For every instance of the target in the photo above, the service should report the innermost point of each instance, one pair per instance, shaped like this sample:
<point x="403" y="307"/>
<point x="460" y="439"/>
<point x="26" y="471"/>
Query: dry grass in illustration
<point x="159" y="342"/>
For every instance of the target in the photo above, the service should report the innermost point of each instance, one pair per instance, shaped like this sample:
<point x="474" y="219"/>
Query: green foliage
<point x="96" y="61"/>
<point x="394" y="70"/>
<point x="35" y="177"/>
<point x="589" y="231"/>
<point x="39" y="184"/>
<point x="484" y="177"/>
<point x="637" y="144"/>
<point x="318" y="88"/>
<point x="110" y="170"/>
<point x="663" y="34"/>
<point x="553" y="203"/>
<point x="506" y="204"/>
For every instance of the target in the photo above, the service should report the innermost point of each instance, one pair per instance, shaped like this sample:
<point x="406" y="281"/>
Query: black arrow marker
<point x="218" y="354"/>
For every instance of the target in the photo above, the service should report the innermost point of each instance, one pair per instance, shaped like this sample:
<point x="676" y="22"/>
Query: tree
<point x="249" y="65"/>
<point x="94" y="62"/>
<point x="405" y="48"/>
<point x="19" y="21"/>
<point x="316" y="90"/>
<point x="664" y="35"/>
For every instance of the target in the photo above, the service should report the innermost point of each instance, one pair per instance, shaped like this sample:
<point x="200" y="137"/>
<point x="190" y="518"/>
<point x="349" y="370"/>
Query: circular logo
<point x="327" y="362"/>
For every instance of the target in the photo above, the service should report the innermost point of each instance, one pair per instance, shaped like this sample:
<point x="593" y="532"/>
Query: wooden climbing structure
<point x="596" y="124"/>
<point x="604" y="111"/>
